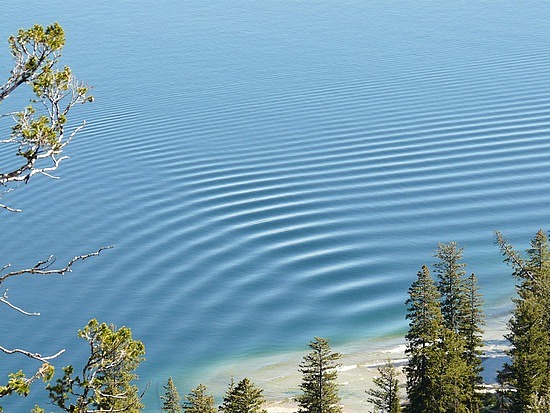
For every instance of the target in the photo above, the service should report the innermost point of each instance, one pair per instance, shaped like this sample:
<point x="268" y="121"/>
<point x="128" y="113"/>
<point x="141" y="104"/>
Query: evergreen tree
<point x="197" y="401"/>
<point x="450" y="374"/>
<point x="437" y="371"/>
<point x="472" y="333"/>
<point x="107" y="376"/>
<point x="529" y="353"/>
<point x="385" y="396"/>
<point x="529" y="367"/>
<point x="171" y="398"/>
<point x="423" y="338"/>
<point x="462" y="313"/>
<point x="319" y="375"/>
<point x="244" y="397"/>
<point x="451" y="283"/>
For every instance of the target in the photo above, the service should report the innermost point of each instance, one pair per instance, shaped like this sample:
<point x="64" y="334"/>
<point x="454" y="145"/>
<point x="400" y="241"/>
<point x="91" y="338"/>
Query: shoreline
<point x="280" y="379"/>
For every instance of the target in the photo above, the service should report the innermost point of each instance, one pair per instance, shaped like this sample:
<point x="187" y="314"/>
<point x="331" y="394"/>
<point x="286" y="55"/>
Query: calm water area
<point x="271" y="171"/>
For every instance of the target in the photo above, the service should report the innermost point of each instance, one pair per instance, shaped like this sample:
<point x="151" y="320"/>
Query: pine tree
<point x="171" y="398"/>
<point x="472" y="333"/>
<point x="244" y="397"/>
<point x="529" y="352"/>
<point x="197" y="401"/>
<point x="106" y="384"/>
<point x="450" y="374"/>
<point x="450" y="275"/>
<point x="319" y="375"/>
<point x="35" y="136"/>
<point x="529" y="367"/>
<point x="462" y="313"/>
<point x="385" y="396"/>
<point x="423" y="338"/>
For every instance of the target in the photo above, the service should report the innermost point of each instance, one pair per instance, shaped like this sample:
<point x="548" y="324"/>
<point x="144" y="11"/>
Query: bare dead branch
<point x="35" y="356"/>
<point x="6" y="207"/>
<point x="4" y="299"/>
<point x="43" y="267"/>
<point x="73" y="133"/>
<point x="10" y="208"/>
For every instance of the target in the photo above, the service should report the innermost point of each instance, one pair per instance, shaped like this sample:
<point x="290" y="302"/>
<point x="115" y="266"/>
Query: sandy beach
<point x="280" y="378"/>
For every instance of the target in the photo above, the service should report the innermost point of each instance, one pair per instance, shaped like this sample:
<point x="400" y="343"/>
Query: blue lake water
<point x="273" y="170"/>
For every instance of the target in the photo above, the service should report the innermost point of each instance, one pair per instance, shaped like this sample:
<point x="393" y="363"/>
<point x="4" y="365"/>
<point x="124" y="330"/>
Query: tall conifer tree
<point x="171" y="398"/>
<point x="198" y="401"/>
<point x="319" y="387"/>
<point x="472" y="332"/>
<point x="450" y="374"/>
<point x="529" y="367"/>
<point x="437" y="371"/>
<point x="462" y="313"/>
<point x="385" y="396"/>
<point x="244" y="397"/>
<point x="451" y="283"/>
<point x="423" y="338"/>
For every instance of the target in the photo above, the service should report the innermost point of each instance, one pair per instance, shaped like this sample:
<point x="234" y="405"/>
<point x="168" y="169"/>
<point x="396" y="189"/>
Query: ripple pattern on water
<point x="296" y="203"/>
<point x="248" y="221"/>
<point x="306" y="212"/>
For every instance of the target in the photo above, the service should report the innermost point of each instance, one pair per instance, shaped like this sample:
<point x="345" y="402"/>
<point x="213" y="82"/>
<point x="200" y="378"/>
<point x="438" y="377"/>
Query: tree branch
<point x="43" y="267"/>
<point x="4" y="299"/>
<point x="35" y="356"/>
<point x="8" y="208"/>
<point x="513" y="258"/>
<point x="39" y="132"/>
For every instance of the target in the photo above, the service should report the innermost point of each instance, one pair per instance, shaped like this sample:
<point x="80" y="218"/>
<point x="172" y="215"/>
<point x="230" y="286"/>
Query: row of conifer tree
<point x="319" y="389"/>
<point x="444" y="349"/>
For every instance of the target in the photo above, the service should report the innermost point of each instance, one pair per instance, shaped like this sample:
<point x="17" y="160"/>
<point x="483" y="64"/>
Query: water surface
<point x="271" y="171"/>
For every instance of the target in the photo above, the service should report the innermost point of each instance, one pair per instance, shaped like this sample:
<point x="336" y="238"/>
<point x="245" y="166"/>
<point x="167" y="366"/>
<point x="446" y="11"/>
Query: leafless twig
<point x="31" y="355"/>
<point x="4" y="299"/>
<point x="43" y="267"/>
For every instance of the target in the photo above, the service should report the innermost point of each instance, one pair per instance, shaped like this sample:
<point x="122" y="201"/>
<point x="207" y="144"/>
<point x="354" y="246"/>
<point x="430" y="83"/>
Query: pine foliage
<point x="319" y="375"/>
<point x="385" y="396"/>
<point x="198" y="401"/>
<point x="244" y="397"/>
<point x="461" y="307"/>
<point x="422" y="342"/>
<point x="171" y="398"/>
<point x="451" y="283"/>
<point x="472" y="333"/>
<point x="450" y="374"/>
<point x="529" y="367"/>
<point x="106" y="383"/>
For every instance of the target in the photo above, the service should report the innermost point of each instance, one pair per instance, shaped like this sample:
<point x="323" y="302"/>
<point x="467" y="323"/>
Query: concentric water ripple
<point x="254" y="204"/>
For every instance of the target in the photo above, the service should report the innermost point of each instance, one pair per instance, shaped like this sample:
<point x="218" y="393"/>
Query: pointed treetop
<point x="171" y="398"/>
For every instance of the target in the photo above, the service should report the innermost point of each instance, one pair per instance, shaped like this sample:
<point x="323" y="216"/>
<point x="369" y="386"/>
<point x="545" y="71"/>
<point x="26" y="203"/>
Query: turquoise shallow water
<point x="271" y="171"/>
